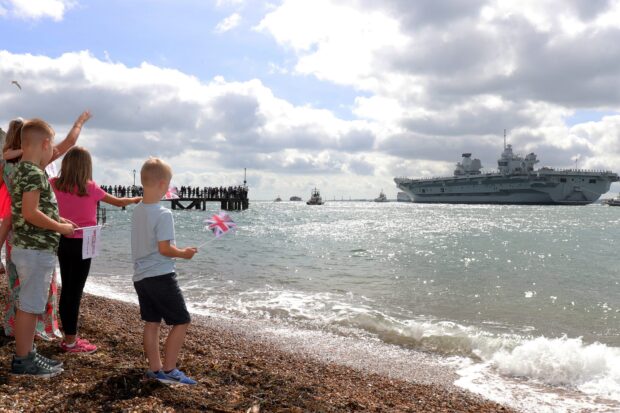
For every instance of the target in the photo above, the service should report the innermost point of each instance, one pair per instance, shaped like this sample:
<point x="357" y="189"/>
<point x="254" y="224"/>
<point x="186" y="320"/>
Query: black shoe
<point x="33" y="366"/>
<point x="54" y="363"/>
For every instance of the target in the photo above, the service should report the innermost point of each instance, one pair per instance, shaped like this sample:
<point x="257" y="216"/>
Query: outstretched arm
<point x="120" y="202"/>
<point x="72" y="136"/>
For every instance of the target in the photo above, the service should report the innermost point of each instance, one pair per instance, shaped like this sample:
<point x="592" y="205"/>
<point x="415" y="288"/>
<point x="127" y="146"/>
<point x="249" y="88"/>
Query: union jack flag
<point x="172" y="193"/>
<point x="220" y="224"/>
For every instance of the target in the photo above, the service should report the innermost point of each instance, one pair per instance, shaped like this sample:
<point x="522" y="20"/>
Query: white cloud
<point x="334" y="42"/>
<point x="438" y="79"/>
<point x="36" y="9"/>
<point x="149" y="110"/>
<point x="228" y="23"/>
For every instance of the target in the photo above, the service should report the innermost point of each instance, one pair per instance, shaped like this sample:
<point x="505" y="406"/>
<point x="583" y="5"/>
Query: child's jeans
<point x="34" y="271"/>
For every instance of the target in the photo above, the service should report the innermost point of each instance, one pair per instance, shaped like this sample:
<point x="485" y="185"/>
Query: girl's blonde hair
<point x="75" y="172"/>
<point x="13" y="139"/>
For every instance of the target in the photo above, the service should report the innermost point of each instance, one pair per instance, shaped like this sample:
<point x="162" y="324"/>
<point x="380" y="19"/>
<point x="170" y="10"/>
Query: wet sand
<point x="236" y="371"/>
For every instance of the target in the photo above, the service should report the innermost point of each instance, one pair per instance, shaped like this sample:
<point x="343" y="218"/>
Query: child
<point x="153" y="250"/>
<point x="47" y="324"/>
<point x="36" y="229"/>
<point x="78" y="196"/>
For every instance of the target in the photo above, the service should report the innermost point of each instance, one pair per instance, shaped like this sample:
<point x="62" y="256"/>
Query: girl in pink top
<point x="78" y="196"/>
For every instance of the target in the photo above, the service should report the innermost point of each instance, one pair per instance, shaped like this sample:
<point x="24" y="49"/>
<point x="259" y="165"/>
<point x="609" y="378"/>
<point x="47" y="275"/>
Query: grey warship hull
<point x="571" y="187"/>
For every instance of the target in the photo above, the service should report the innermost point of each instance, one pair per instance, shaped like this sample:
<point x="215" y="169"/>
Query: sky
<point x="343" y="95"/>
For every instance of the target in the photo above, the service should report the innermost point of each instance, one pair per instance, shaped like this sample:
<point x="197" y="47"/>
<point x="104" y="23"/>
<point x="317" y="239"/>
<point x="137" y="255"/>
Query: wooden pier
<point x="200" y="203"/>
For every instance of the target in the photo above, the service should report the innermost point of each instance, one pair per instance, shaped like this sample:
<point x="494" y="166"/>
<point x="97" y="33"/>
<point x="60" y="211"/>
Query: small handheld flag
<point x="220" y="224"/>
<point x="172" y="193"/>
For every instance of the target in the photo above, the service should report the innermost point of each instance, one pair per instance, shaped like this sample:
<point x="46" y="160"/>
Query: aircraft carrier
<point x="515" y="182"/>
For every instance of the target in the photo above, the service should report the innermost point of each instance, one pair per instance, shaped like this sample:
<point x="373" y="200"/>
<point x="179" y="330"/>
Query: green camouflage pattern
<point x="28" y="177"/>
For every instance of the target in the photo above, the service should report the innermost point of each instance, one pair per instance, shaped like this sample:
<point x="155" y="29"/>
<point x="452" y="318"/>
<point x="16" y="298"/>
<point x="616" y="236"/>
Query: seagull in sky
<point x="16" y="83"/>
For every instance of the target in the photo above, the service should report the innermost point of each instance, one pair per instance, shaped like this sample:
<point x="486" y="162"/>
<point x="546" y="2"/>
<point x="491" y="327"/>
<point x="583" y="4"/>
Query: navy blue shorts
<point x="160" y="297"/>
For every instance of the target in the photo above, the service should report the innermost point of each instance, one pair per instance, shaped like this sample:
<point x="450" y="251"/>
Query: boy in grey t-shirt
<point x="152" y="250"/>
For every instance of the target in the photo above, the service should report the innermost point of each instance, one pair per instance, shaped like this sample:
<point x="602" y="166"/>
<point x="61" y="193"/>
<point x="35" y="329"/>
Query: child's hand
<point x="189" y="252"/>
<point x="65" y="229"/>
<point x="137" y="200"/>
<point x="83" y="118"/>
<point x="67" y="221"/>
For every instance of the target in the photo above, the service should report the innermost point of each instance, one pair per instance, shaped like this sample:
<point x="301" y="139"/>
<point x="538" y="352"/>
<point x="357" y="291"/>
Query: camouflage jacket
<point x="28" y="177"/>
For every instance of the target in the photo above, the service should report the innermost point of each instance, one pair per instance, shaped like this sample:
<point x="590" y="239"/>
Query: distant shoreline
<point x="234" y="373"/>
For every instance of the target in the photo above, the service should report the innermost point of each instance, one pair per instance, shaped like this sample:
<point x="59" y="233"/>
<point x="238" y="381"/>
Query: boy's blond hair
<point x="35" y="130"/>
<point x="155" y="170"/>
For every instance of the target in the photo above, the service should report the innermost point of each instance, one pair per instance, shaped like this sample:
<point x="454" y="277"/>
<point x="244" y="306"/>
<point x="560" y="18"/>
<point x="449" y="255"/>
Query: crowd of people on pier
<point x="231" y="192"/>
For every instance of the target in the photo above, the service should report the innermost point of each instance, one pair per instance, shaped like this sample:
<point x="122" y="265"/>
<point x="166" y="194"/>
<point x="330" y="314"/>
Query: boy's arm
<point x="31" y="213"/>
<point x="72" y="137"/>
<point x="168" y="250"/>
<point x="120" y="202"/>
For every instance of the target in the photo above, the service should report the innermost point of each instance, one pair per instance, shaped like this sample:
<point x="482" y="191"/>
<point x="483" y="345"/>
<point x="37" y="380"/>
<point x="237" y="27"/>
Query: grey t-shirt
<point x="150" y="224"/>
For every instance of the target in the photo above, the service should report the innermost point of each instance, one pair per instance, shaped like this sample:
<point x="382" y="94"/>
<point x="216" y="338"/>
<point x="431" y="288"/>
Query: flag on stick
<point x="172" y="193"/>
<point x="220" y="224"/>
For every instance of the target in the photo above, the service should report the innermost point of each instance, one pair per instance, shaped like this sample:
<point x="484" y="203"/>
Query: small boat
<point x="612" y="201"/>
<point x="381" y="197"/>
<point x="315" y="199"/>
<point x="295" y="198"/>
<point x="278" y="199"/>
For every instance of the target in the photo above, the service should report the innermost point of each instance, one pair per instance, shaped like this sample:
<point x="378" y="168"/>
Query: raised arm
<point x="12" y="154"/>
<point x="72" y="136"/>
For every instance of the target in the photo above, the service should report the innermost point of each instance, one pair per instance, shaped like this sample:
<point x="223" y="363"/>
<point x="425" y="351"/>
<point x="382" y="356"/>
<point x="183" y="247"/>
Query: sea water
<point x="523" y="302"/>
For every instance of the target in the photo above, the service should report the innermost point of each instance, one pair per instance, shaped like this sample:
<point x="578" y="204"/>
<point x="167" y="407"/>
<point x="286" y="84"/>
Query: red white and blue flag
<point x="172" y="193"/>
<point x="220" y="224"/>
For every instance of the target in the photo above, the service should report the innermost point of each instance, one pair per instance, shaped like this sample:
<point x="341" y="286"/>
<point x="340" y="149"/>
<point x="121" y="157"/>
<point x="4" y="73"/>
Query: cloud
<point x="228" y="23"/>
<point x="148" y="110"/>
<point x="433" y="79"/>
<point x="35" y="10"/>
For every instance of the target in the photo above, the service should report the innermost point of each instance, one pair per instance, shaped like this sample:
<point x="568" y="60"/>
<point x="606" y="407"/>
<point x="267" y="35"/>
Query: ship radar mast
<point x="504" y="139"/>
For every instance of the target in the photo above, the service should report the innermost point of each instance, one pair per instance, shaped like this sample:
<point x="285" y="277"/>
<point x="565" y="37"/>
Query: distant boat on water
<point x="295" y="198"/>
<point x="612" y="201"/>
<point x="381" y="197"/>
<point x="315" y="199"/>
<point x="278" y="199"/>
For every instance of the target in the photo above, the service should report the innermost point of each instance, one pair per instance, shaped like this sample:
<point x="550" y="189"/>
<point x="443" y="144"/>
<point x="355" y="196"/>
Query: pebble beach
<point x="236" y="373"/>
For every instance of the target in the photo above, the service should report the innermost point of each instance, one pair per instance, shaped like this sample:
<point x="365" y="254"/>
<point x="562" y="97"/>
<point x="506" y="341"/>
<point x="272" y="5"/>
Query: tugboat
<point x="278" y="199"/>
<point x="381" y="197"/>
<point x="612" y="201"/>
<point x="315" y="199"/>
<point x="295" y="198"/>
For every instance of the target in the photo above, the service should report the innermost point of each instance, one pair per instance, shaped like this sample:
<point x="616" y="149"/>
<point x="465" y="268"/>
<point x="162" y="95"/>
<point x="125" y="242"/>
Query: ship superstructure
<point x="515" y="182"/>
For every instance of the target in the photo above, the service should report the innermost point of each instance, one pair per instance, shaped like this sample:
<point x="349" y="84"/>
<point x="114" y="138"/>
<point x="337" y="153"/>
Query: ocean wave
<point x="564" y="374"/>
<point x="591" y="368"/>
